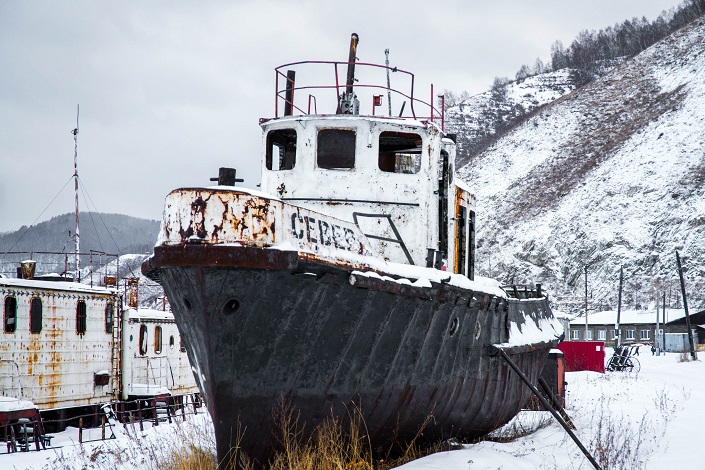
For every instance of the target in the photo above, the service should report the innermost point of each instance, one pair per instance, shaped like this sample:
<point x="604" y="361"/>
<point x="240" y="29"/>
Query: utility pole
<point x="693" y="354"/>
<point x="618" y="338"/>
<point x="656" y="335"/>
<point x="665" y="318"/>
<point x="586" y="304"/>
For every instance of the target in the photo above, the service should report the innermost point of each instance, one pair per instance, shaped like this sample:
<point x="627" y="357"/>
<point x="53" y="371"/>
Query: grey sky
<point x="171" y="90"/>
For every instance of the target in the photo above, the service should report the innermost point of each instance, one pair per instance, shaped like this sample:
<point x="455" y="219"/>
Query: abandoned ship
<point x="346" y="282"/>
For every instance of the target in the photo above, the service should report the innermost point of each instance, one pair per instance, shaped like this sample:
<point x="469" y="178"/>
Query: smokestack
<point x="27" y="268"/>
<point x="354" y="39"/>
<point x="349" y="104"/>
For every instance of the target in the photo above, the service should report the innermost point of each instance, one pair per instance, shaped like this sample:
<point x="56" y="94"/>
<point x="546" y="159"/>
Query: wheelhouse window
<point x="81" y="317"/>
<point x="143" y="340"/>
<point x="35" y="315"/>
<point x="399" y="152"/>
<point x="281" y="149"/>
<point x="109" y="315"/>
<point x="336" y="149"/>
<point x="157" y="339"/>
<point x="10" y="318"/>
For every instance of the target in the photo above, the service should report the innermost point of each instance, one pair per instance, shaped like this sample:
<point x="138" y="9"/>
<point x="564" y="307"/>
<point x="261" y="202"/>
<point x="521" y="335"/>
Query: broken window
<point x="109" y="313"/>
<point x="81" y="317"/>
<point x="143" y="340"/>
<point x="336" y="149"/>
<point x="281" y="149"/>
<point x="35" y="315"/>
<point x="400" y="152"/>
<point x="10" y="314"/>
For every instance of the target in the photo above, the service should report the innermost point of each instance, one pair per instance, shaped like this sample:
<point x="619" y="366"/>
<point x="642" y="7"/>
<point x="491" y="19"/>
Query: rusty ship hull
<point x="265" y="328"/>
<point x="347" y="286"/>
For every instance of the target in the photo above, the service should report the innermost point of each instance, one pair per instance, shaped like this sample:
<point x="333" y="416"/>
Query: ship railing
<point x="519" y="291"/>
<point x="286" y="90"/>
<point x="99" y="268"/>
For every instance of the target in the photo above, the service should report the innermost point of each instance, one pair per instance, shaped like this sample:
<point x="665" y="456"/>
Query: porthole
<point x="187" y="303"/>
<point x="454" y="326"/>
<point x="231" y="306"/>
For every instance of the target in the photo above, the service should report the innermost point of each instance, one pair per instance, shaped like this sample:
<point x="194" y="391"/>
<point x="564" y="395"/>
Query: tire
<point x="634" y="364"/>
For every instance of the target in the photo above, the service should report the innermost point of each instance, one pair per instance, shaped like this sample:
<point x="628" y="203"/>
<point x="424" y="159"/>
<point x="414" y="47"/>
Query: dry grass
<point x="339" y="445"/>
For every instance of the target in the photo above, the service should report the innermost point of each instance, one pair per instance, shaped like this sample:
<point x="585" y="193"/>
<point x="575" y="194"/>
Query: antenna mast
<point x="75" y="176"/>
<point x="389" y="90"/>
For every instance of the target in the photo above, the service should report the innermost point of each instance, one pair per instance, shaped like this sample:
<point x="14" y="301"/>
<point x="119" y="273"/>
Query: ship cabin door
<point x="464" y="240"/>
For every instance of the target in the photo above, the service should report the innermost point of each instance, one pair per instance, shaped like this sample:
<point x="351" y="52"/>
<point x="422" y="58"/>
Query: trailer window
<point x="143" y="340"/>
<point x="10" y="320"/>
<point x="81" y="317"/>
<point x="157" y="339"/>
<point x="399" y="152"/>
<point x="35" y="316"/>
<point x="109" y="314"/>
<point x="336" y="149"/>
<point x="281" y="149"/>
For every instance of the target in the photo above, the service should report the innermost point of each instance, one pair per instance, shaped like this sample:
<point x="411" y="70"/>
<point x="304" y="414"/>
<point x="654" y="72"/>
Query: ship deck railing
<point x="518" y="291"/>
<point x="412" y="106"/>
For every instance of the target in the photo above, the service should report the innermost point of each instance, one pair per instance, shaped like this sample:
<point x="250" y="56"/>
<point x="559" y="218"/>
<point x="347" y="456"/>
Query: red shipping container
<point x="583" y="355"/>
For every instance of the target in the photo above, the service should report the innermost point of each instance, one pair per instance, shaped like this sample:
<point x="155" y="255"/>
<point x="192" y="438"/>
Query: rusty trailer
<point x="69" y="347"/>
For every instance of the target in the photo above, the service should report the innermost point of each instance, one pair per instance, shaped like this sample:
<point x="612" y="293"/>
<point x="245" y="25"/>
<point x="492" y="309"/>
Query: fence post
<point x="80" y="430"/>
<point x="139" y="414"/>
<point x="102" y="434"/>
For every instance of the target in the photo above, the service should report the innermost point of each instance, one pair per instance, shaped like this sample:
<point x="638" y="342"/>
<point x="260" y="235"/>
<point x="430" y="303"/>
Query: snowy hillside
<point x="477" y="120"/>
<point x="611" y="174"/>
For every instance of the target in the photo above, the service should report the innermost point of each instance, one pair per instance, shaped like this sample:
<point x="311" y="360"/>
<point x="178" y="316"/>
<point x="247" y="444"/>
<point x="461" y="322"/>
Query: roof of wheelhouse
<point x="371" y="91"/>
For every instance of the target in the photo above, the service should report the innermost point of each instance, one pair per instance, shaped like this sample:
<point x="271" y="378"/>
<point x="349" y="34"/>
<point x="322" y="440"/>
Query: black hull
<point x="305" y="334"/>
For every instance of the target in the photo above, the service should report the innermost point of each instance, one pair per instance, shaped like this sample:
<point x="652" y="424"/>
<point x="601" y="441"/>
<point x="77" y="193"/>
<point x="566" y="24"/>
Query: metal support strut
<point x="550" y="408"/>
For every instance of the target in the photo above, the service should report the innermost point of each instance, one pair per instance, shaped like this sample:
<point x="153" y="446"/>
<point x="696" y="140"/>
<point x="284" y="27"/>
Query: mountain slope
<point x="611" y="174"/>
<point x="479" y="120"/>
<point x="111" y="233"/>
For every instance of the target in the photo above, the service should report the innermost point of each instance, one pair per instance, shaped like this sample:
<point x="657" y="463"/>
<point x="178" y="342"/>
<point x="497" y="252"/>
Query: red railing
<point x="285" y="94"/>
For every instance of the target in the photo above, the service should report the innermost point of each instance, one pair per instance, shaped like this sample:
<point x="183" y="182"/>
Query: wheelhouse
<point x="393" y="176"/>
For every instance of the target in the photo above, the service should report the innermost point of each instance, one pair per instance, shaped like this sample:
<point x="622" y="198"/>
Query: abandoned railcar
<point x="68" y="348"/>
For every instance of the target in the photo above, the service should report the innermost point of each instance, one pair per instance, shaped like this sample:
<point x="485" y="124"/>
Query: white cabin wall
<point x="154" y="372"/>
<point x="57" y="365"/>
<point x="416" y="224"/>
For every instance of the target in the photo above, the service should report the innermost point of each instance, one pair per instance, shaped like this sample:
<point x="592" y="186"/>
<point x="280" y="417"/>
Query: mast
<point x="389" y="89"/>
<point x="75" y="177"/>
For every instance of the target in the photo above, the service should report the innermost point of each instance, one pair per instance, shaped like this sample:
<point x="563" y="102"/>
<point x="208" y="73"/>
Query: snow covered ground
<point x="646" y="420"/>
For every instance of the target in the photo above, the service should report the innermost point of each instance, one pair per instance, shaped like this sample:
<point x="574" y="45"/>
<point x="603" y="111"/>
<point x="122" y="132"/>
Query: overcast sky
<point x="169" y="91"/>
